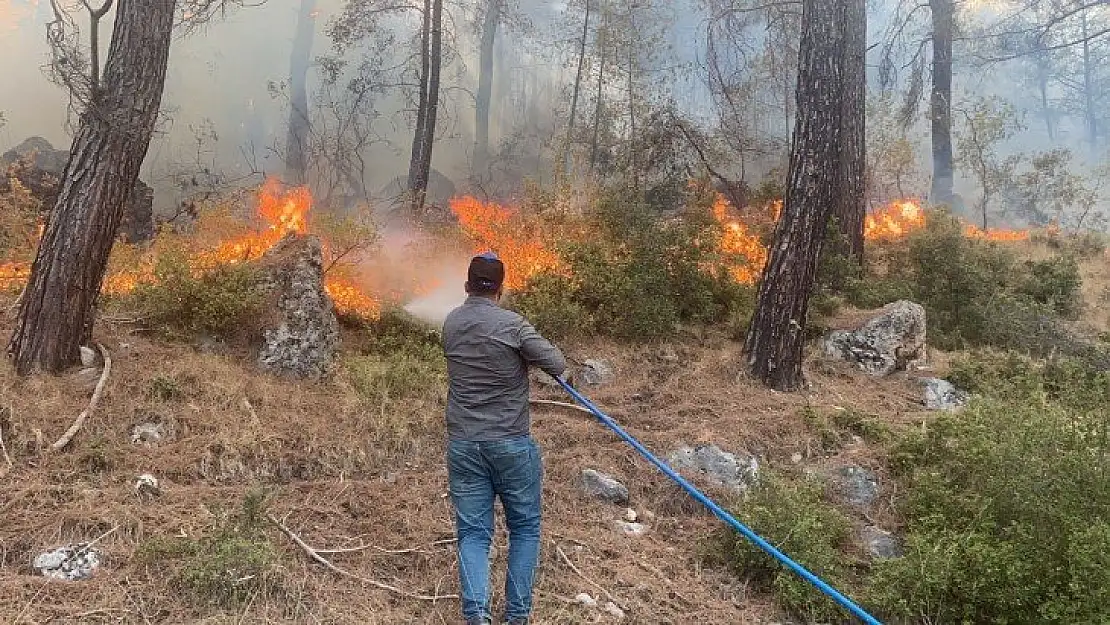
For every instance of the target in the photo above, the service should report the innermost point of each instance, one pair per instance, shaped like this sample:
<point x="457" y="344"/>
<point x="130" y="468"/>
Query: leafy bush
<point x="223" y="303"/>
<point x="1006" y="504"/>
<point x="637" y="279"/>
<point x="793" y="516"/>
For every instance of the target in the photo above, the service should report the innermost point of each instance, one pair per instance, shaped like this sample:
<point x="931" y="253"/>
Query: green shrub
<point x="411" y="372"/>
<point x="793" y="516"/>
<point x="549" y="304"/>
<point x="223" y="303"/>
<point x="1006" y="502"/>
<point x="226" y="567"/>
<point x="1054" y="283"/>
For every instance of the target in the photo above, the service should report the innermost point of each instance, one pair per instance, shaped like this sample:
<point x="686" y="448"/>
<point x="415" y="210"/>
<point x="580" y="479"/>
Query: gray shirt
<point x="489" y="350"/>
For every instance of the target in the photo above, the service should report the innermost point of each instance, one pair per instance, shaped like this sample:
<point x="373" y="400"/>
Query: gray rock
<point x="147" y="433"/>
<point x="630" y="529"/>
<point x="69" y="563"/>
<point x="604" y="487"/>
<point x="596" y="372"/>
<point x="942" y="395"/>
<point x="39" y="167"/>
<point x="303" y="338"/>
<point x="722" y="468"/>
<point x="892" y="341"/>
<point x="880" y="543"/>
<point x="859" y="486"/>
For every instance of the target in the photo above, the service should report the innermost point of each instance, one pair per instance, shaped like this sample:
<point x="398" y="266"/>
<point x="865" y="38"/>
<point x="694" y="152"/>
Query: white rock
<point x="612" y="609"/>
<point x="584" y="598"/>
<point x="146" y="484"/>
<point x="88" y="357"/>
<point x="631" y="529"/>
<point x="630" y="515"/>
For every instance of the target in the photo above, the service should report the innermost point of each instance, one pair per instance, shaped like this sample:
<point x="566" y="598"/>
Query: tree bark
<point x="485" y="84"/>
<point x="1089" y="87"/>
<point x="776" y="336"/>
<point x="941" y="101"/>
<point x="296" y="164"/>
<point x="428" y="140"/>
<point x="851" y="207"/>
<point x="599" y="103"/>
<point x="416" y="159"/>
<point x="58" y="309"/>
<point x="577" y="88"/>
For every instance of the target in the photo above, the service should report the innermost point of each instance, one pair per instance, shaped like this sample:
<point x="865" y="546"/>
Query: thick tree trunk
<point x="296" y="164"/>
<point x="941" y="101"/>
<point x="428" y="140"/>
<point x="416" y="193"/>
<point x="58" y="309"/>
<point x="777" y="333"/>
<point x="577" y="88"/>
<point x="485" y="84"/>
<point x="851" y="207"/>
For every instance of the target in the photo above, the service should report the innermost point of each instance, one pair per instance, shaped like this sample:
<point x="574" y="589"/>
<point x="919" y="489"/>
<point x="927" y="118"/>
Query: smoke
<point x="434" y="307"/>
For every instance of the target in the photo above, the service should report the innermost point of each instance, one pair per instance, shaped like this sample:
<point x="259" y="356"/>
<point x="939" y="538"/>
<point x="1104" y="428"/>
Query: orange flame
<point x="894" y="221"/>
<point x="744" y="248"/>
<point x="1006" y="236"/>
<point x="506" y="232"/>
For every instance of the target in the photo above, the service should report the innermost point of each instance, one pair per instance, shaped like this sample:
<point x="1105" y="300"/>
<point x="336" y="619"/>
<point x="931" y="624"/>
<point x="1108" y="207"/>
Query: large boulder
<point x="736" y="471"/>
<point x="39" y="167"/>
<point x="302" y="337"/>
<point x="892" y="341"/>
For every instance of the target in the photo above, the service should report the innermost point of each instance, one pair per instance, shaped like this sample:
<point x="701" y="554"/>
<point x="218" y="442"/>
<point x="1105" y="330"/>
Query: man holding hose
<point x="490" y="449"/>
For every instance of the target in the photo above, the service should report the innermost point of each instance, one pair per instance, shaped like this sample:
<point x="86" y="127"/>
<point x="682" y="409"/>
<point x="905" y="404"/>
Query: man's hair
<point x="486" y="274"/>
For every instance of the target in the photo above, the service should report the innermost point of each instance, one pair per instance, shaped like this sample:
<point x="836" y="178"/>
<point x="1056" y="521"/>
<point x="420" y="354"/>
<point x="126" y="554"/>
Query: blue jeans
<point x="511" y="469"/>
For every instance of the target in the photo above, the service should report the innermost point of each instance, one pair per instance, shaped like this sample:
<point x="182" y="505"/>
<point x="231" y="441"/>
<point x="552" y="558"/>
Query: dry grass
<point x="341" y="470"/>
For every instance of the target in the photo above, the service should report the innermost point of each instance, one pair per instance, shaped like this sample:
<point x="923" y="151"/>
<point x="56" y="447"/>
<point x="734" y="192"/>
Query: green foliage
<point x="637" y="280"/>
<point x="976" y="292"/>
<point x="408" y="373"/>
<point x="793" y="516"/>
<point x="1006" y="502"/>
<point x="225" y="302"/>
<point x="225" y="567"/>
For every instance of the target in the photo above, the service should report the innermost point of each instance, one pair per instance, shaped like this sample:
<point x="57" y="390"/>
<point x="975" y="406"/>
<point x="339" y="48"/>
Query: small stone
<point x="147" y="485"/>
<point x="584" y="598"/>
<point x="89" y="358"/>
<point x="942" y="395"/>
<point x="69" y="563"/>
<point x="613" y="610"/>
<point x="796" y="457"/>
<point x="147" y="433"/>
<point x="859" y="486"/>
<point x="630" y="515"/>
<point x="604" y="487"/>
<point x="880" y="543"/>
<point x="597" y="372"/>
<point x="723" y="468"/>
<point x="631" y="529"/>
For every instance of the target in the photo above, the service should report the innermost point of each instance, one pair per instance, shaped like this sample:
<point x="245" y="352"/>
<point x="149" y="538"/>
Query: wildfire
<point x="503" y="230"/>
<point x="740" y="243"/>
<point x="974" y="232"/>
<point x="894" y="221"/>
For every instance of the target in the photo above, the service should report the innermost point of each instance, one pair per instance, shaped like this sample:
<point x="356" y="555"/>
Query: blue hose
<point x="720" y="512"/>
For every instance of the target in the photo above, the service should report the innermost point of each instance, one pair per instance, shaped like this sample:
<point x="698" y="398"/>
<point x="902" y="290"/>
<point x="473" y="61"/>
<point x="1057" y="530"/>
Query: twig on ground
<point x="97" y="539"/>
<point x="388" y="552"/>
<point x="4" y="448"/>
<point x="73" y="429"/>
<point x="599" y="587"/>
<point x="315" y="555"/>
<point x="560" y="404"/>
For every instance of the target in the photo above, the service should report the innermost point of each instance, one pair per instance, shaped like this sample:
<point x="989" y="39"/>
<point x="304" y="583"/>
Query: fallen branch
<point x="315" y="555"/>
<point x="382" y="550"/>
<point x="599" y="587"/>
<point x="560" y="404"/>
<point x="80" y="421"/>
<point x="4" y="448"/>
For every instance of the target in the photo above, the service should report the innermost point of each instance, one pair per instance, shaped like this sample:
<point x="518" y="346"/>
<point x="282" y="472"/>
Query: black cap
<point x="486" y="273"/>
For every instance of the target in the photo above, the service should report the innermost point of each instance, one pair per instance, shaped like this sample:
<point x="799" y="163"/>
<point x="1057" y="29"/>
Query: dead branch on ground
<point x="81" y="418"/>
<point x="315" y="555"/>
<point x="599" y="587"/>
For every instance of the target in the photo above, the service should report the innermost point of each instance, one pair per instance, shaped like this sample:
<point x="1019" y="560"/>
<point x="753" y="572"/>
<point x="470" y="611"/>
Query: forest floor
<point x="338" y="475"/>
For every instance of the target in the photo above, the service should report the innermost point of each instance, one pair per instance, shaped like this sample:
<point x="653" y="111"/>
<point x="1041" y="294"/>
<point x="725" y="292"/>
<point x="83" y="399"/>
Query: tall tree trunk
<point x="599" y="103"/>
<point x="57" y="312"/>
<point x="777" y="333"/>
<point x="577" y="88"/>
<point x="633" y="164"/>
<point x="485" y="84"/>
<point x="1089" y="87"/>
<point x="851" y="207"/>
<point x="941" y="101"/>
<point x="416" y="159"/>
<point x="296" y="140"/>
<point x="428" y="140"/>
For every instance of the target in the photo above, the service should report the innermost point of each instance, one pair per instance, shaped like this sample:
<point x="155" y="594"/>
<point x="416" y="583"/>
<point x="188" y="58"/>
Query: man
<point x="490" y="449"/>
